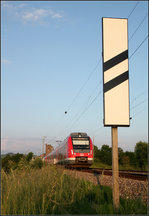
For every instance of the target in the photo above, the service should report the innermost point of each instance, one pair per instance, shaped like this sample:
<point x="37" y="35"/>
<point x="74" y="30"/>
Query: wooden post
<point x="115" y="168"/>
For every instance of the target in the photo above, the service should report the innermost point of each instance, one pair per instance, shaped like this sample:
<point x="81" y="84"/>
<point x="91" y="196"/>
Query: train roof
<point x="79" y="134"/>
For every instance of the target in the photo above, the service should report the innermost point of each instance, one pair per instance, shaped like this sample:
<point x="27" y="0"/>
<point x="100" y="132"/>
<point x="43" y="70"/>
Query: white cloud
<point x="11" y="6"/>
<point x="57" y="15"/>
<point x="22" y="145"/>
<point x="29" y="14"/>
<point x="39" y="14"/>
<point x="34" y="15"/>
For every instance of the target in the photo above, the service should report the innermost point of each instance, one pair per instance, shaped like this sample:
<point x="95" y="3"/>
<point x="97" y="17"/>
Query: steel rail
<point x="131" y="174"/>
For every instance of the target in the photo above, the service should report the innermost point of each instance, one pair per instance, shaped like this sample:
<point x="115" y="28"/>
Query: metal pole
<point x="43" y="144"/>
<point x="115" y="168"/>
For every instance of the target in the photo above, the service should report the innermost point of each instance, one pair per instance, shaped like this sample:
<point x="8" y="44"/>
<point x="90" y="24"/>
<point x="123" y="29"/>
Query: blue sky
<point x="51" y="63"/>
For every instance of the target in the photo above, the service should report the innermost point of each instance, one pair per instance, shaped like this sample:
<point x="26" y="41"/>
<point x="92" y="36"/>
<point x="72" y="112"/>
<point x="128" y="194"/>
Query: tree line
<point x="20" y="161"/>
<point x="136" y="159"/>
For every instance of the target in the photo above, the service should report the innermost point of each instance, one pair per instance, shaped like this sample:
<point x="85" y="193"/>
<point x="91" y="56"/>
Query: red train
<point x="76" y="151"/>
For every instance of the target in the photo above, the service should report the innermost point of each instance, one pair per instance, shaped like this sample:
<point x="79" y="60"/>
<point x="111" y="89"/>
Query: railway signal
<point x="115" y="86"/>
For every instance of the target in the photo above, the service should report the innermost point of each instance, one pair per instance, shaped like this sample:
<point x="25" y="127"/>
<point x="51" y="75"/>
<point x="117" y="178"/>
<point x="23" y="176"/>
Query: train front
<point x="80" y="150"/>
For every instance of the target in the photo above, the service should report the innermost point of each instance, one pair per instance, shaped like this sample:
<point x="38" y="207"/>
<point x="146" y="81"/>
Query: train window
<point x="81" y="143"/>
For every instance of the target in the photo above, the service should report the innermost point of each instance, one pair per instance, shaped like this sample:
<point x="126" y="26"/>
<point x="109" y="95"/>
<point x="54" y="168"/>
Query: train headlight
<point x="71" y="151"/>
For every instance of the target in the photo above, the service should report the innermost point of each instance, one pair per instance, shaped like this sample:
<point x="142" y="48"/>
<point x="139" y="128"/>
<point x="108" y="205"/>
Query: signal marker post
<point x="115" y="168"/>
<point x="115" y="86"/>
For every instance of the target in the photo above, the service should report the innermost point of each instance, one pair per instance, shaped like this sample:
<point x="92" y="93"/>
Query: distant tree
<point x="106" y="154"/>
<point x="125" y="160"/>
<point x="120" y="155"/>
<point x="29" y="156"/>
<point x="5" y="163"/>
<point x="96" y="152"/>
<point x="132" y="157"/>
<point x="37" y="163"/>
<point x="11" y="161"/>
<point x="141" y="154"/>
<point x="16" y="157"/>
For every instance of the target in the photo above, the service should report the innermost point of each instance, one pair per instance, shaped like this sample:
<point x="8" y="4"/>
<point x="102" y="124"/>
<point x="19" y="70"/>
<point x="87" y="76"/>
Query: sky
<point x="51" y="63"/>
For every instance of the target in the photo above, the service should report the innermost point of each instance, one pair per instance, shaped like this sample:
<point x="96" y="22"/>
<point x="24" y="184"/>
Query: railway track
<point x="131" y="174"/>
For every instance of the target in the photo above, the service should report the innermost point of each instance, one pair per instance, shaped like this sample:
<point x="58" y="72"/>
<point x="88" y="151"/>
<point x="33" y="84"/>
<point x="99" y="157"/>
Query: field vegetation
<point x="48" y="190"/>
<point x="28" y="186"/>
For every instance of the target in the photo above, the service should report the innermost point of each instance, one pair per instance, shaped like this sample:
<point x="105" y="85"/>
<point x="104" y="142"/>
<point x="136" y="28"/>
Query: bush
<point x="37" y="163"/>
<point x="23" y="164"/>
<point x="11" y="162"/>
<point x="29" y="156"/>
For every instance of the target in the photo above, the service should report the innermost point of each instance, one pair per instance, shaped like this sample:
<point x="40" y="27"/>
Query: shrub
<point x="37" y="163"/>
<point x="29" y="156"/>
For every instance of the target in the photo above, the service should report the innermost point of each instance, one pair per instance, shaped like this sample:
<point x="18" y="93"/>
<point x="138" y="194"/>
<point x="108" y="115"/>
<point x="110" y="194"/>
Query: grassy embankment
<point x="50" y="191"/>
<point x="98" y="164"/>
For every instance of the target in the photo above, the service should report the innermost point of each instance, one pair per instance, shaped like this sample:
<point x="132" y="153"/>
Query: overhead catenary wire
<point x="86" y="108"/>
<point x="138" y="47"/>
<point x="56" y="137"/>
<point x="136" y="114"/>
<point x="129" y="39"/>
<point x="84" y="84"/>
<point x="100" y="60"/>
<point x="133" y="9"/>
<point x="135" y="98"/>
<point x="78" y="93"/>
<point x="86" y="104"/>
<point x="93" y="132"/>
<point x="139" y="103"/>
<point x="136" y="31"/>
<point x="129" y="58"/>
<point x="138" y="27"/>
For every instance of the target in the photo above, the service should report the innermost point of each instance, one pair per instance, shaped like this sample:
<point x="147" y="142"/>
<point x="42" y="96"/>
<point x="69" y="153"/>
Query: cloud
<point x="39" y="14"/>
<point x="34" y="15"/>
<point x="5" y="61"/>
<point x="22" y="145"/>
<point x="57" y="15"/>
<point x="10" y="6"/>
<point x="4" y="144"/>
<point x="30" y="14"/>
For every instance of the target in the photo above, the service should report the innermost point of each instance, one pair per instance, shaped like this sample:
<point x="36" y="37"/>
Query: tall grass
<point x="50" y="191"/>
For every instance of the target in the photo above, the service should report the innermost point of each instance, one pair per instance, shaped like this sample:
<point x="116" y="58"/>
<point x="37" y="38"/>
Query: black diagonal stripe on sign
<point x="115" y="60"/>
<point x="116" y="81"/>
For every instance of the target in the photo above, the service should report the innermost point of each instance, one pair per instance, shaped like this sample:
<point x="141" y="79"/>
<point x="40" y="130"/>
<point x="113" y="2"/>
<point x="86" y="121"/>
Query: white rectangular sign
<point x="80" y="142"/>
<point x="115" y="72"/>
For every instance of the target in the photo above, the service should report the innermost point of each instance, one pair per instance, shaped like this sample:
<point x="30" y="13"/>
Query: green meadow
<point x="48" y="190"/>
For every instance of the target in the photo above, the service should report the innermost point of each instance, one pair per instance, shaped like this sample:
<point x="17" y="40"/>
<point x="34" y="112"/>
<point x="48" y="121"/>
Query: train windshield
<point x="81" y="143"/>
